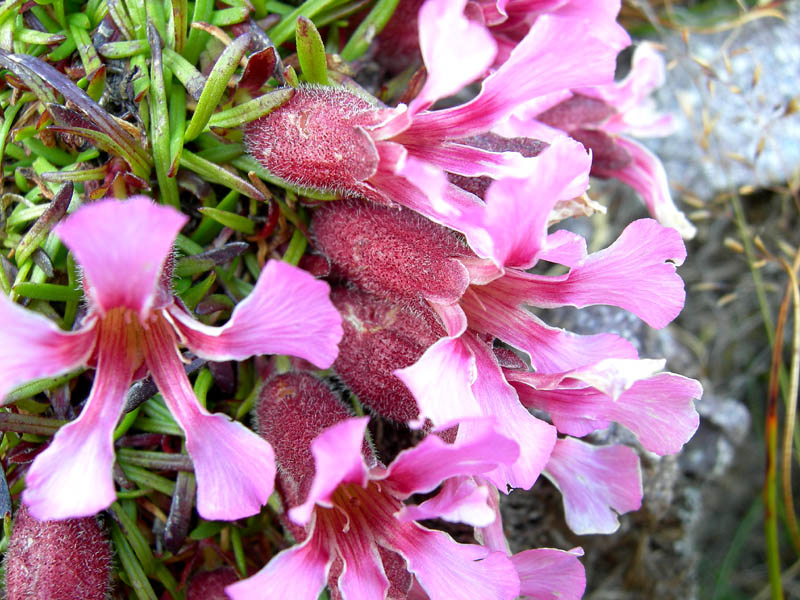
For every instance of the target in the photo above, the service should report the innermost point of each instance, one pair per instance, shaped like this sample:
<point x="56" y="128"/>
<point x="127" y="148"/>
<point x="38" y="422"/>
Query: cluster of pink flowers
<point x="426" y="317"/>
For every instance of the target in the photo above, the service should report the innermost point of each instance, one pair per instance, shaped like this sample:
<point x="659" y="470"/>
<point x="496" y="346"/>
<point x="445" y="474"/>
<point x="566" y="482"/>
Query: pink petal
<point x="460" y="500"/>
<point x="646" y="175"/>
<point x="612" y="376"/>
<point x="451" y="571"/>
<point x="499" y="400"/>
<point x="122" y="247"/>
<point x="633" y="273"/>
<point x="363" y="577"/>
<point x="548" y="574"/>
<point x="72" y="477"/>
<point x="517" y="210"/>
<point x="556" y="54"/>
<point x="337" y="460"/>
<point x="564" y="248"/>
<point x="441" y="382"/>
<point x="492" y="536"/>
<point x="32" y="346"/>
<point x="426" y="465"/>
<point x="658" y="410"/>
<point x="551" y="350"/>
<point x="603" y="16"/>
<point x="298" y="573"/>
<point x="455" y="49"/>
<point x="647" y="73"/>
<point x="474" y="162"/>
<point x="235" y="468"/>
<point x="288" y="312"/>
<point x="441" y="201"/>
<point x="596" y="482"/>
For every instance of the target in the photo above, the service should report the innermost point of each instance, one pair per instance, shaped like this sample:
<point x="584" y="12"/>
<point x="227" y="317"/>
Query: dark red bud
<point x="292" y="409"/>
<point x="576" y="112"/>
<point x="607" y="155"/>
<point x="391" y="252"/>
<point x="316" y="140"/>
<point x="57" y="560"/>
<point x="379" y="337"/>
<point x="210" y="585"/>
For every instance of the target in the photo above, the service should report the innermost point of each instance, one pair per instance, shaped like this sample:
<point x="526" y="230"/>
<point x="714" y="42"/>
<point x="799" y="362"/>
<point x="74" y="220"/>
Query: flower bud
<point x="390" y="252"/>
<point x="292" y="409"/>
<point x="57" y="560"/>
<point x="210" y="585"/>
<point x="380" y="337"/>
<point x="317" y="140"/>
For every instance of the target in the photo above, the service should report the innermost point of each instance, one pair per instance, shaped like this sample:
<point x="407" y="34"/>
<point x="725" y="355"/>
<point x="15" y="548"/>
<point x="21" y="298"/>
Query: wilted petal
<point x="646" y="175"/>
<point x="288" y="312"/>
<point x="549" y="574"/>
<point x="122" y="247"/>
<point x="32" y="346"/>
<point x="456" y="50"/>
<point x="517" y="210"/>
<point x="596" y="483"/>
<point x="451" y="571"/>
<point x="298" y="573"/>
<point x="72" y="477"/>
<point x="235" y="468"/>
<point x="337" y="460"/>
<point x="426" y="465"/>
<point x="460" y="500"/>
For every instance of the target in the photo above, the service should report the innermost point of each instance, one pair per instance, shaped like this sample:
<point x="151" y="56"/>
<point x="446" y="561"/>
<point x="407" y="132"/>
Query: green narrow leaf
<point x="191" y="297"/>
<point x="229" y="219"/>
<point x="124" y="49"/>
<point x="177" y="123"/>
<point x="50" y="217"/>
<point x="208" y="227"/>
<point x="252" y="109"/>
<point x="203" y="10"/>
<point x="216" y="85"/>
<point x="47" y="291"/>
<point x="311" y="52"/>
<point x="283" y="30"/>
<point x="297" y="246"/>
<point x="136" y="576"/>
<point x="135" y="538"/>
<point x="368" y="28"/>
<point x="159" y="123"/>
<point x="191" y="78"/>
<point x="217" y="174"/>
<point x="230" y="16"/>
<point x="91" y="62"/>
<point x="145" y="478"/>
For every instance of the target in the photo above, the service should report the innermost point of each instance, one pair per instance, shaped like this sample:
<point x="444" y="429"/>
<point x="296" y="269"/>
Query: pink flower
<point x="354" y="529"/>
<point x="598" y="117"/>
<point x="477" y="300"/>
<point x="334" y="140"/>
<point x="134" y="325"/>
